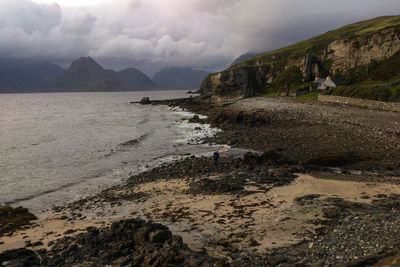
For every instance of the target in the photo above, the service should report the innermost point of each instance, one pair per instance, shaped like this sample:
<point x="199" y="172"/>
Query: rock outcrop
<point x="235" y="83"/>
<point x="12" y="219"/>
<point x="125" y="243"/>
<point x="350" y="53"/>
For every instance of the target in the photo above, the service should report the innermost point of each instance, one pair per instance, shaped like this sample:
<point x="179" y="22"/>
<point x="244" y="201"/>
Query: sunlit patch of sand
<point x="254" y="222"/>
<point x="46" y="230"/>
<point x="221" y="224"/>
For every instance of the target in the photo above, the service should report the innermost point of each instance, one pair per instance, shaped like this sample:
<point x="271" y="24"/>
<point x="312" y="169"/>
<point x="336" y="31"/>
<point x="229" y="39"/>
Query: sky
<point x="154" y="34"/>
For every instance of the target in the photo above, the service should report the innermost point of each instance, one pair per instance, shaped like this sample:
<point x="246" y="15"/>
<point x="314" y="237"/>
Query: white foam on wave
<point x="192" y="133"/>
<point x="186" y="114"/>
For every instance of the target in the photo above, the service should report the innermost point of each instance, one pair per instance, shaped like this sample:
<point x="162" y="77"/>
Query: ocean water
<point x="60" y="147"/>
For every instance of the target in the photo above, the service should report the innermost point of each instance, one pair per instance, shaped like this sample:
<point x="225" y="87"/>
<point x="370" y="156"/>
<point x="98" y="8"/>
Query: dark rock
<point x="254" y="243"/>
<point x="276" y="260"/>
<point x="19" y="258"/>
<point x="36" y="244"/>
<point x="124" y="243"/>
<point x="12" y="219"/>
<point x="195" y="119"/>
<point x="337" y="159"/>
<point x="145" y="101"/>
<point x="142" y="234"/>
<point x="240" y="117"/>
<point x="69" y="231"/>
<point x="159" y="236"/>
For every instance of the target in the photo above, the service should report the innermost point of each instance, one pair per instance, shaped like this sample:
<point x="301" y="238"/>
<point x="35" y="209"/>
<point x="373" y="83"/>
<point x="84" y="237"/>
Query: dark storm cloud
<point x="151" y="34"/>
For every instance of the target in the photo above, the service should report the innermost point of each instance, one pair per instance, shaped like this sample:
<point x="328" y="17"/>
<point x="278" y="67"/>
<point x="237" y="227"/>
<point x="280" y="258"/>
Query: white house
<point x="323" y="84"/>
<point x="327" y="84"/>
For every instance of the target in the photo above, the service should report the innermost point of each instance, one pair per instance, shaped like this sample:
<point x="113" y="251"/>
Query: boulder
<point x="145" y="101"/>
<point x="159" y="236"/>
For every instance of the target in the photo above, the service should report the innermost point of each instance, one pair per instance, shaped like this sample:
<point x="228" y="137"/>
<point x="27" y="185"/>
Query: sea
<point x="60" y="147"/>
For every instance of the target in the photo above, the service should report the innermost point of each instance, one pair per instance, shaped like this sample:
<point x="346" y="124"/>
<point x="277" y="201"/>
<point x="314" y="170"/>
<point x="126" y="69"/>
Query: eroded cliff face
<point x="350" y="53"/>
<point x="234" y="84"/>
<point x="339" y="57"/>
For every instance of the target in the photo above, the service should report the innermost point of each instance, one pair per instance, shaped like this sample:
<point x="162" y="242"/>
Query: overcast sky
<point x="151" y="34"/>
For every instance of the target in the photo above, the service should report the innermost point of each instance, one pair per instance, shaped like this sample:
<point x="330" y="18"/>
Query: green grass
<point x="305" y="86"/>
<point x="306" y="98"/>
<point x="370" y="91"/>
<point x="320" y="42"/>
<point x="272" y="95"/>
<point x="387" y="70"/>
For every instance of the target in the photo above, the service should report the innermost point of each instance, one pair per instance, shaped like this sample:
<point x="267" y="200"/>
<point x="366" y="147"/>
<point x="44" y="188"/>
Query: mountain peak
<point x="86" y="67"/>
<point x="85" y="74"/>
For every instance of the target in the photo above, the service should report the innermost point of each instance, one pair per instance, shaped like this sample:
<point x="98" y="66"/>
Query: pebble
<point x="282" y="218"/>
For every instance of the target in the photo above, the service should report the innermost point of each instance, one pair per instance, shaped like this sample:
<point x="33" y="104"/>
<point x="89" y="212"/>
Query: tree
<point x="292" y="76"/>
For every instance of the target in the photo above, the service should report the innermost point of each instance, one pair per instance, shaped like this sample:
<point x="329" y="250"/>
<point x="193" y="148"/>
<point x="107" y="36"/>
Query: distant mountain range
<point x="21" y="75"/>
<point x="86" y="75"/>
<point x="180" y="78"/>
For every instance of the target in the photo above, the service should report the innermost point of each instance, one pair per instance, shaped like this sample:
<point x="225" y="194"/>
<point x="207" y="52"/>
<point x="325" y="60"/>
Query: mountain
<point x="135" y="76"/>
<point x="86" y="75"/>
<point x="180" y="78"/>
<point x="24" y="75"/>
<point x="244" y="57"/>
<point x="351" y="53"/>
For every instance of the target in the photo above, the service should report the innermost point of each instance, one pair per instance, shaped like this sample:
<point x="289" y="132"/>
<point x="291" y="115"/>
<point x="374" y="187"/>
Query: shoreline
<point x="207" y="206"/>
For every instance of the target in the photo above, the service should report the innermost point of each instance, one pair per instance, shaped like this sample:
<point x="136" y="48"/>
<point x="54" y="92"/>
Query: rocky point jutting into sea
<point x="310" y="184"/>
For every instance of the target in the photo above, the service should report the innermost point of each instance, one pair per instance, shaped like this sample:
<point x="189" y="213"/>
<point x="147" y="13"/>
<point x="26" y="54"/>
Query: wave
<point x="134" y="142"/>
<point x="17" y="200"/>
<point x="130" y="143"/>
<point x="144" y="121"/>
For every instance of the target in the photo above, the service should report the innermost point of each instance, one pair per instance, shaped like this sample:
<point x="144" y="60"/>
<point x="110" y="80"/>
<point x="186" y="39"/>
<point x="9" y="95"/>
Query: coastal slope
<point x="350" y="53"/>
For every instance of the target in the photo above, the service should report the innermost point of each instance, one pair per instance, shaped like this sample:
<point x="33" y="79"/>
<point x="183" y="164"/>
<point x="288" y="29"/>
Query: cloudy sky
<point x="151" y="34"/>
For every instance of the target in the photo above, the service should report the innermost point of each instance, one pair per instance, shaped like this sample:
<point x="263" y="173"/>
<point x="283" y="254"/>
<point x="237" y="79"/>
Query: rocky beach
<point x="316" y="185"/>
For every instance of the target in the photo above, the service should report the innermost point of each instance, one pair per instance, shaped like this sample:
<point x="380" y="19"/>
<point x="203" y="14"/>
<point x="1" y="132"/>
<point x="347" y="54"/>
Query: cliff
<point x="342" y="53"/>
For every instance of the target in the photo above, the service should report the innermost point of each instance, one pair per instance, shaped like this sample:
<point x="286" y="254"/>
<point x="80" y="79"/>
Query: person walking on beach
<point x="216" y="157"/>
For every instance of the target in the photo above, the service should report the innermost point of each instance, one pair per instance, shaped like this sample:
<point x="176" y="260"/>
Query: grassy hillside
<point x="370" y="91"/>
<point x="387" y="70"/>
<point x="379" y="81"/>
<point x="373" y="81"/>
<point x="321" y="42"/>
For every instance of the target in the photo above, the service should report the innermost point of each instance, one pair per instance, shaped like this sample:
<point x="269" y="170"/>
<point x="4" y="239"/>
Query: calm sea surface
<point x="60" y="147"/>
